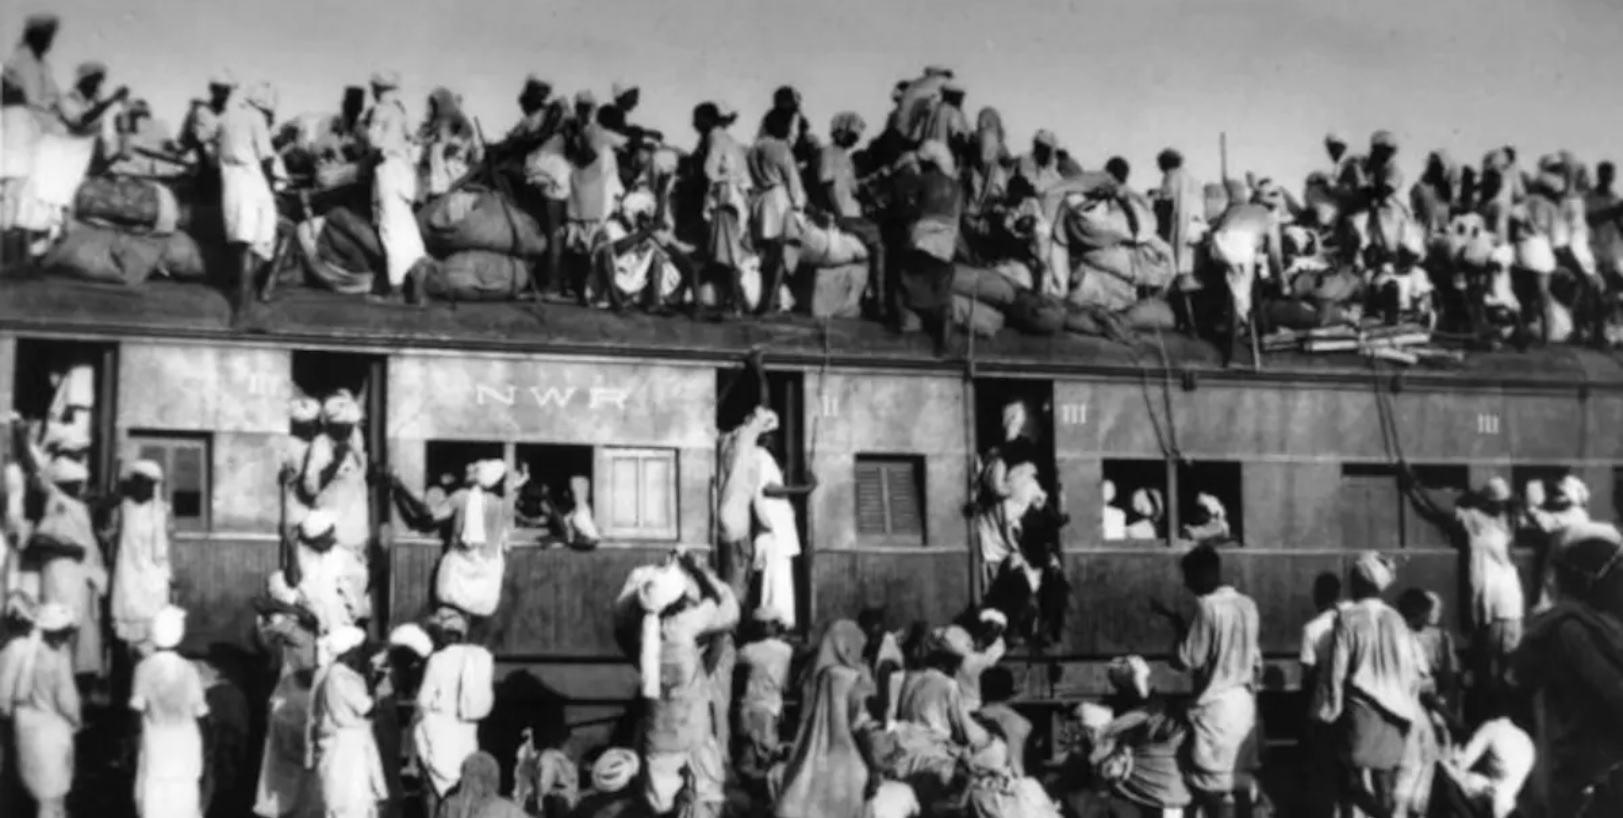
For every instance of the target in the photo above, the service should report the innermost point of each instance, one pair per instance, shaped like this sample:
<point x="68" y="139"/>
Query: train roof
<point x="32" y="303"/>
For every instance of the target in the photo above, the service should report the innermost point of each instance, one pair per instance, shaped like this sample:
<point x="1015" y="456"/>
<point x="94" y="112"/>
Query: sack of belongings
<point x="1094" y="223"/>
<point x="477" y="275"/>
<point x="349" y="241"/>
<point x="984" y="284"/>
<point x="1217" y="202"/>
<point x="474" y="219"/>
<point x="1112" y="277"/>
<point x="982" y="319"/>
<point x="104" y="254"/>
<point x="1033" y="314"/>
<point x="836" y="292"/>
<point x="1149" y="315"/>
<point x="325" y="257"/>
<point x="136" y="204"/>
<point x="826" y="246"/>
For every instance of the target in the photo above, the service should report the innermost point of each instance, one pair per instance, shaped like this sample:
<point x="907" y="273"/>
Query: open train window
<point x="994" y="413"/>
<point x="66" y="388"/>
<point x="1222" y="481"/>
<point x="890" y="499"/>
<point x="1544" y="474"/>
<point x="1134" y="494"/>
<point x="186" y="463"/>
<point x="555" y="470"/>
<point x="1445" y="483"/>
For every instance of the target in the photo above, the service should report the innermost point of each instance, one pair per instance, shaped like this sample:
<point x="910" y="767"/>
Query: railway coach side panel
<point x="892" y="456"/>
<point x="640" y="435"/>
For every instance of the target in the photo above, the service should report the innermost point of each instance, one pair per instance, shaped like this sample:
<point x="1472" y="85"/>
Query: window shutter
<point x="658" y="493"/>
<point x="871" y="505"/>
<point x="903" y="491"/>
<point x="637" y="493"/>
<point x="624" y="488"/>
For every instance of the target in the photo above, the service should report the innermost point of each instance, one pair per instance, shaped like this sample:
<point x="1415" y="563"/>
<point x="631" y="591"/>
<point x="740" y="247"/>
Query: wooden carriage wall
<point x="1302" y="459"/>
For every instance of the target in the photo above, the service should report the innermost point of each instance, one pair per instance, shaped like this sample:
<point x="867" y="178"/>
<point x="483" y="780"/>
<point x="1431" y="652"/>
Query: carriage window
<point x="637" y="495"/>
<point x="318" y="374"/>
<point x="1445" y="484"/>
<point x="185" y="461"/>
<point x="1371" y="507"/>
<point x="446" y="465"/>
<point x="1546" y="476"/>
<point x="62" y="389"/>
<point x="1134" y="497"/>
<point x="1197" y="515"/>
<point x="890" y="499"/>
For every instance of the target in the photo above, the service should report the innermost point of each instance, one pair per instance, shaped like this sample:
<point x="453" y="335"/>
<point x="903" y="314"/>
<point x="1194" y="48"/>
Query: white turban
<point x="54" y="616"/>
<point x="1573" y="489"/>
<point x="1130" y="673"/>
<point x="168" y="627"/>
<point x="662" y="587"/>
<point x="304" y="410"/>
<point x="341" y="408"/>
<point x="412" y="637"/>
<point x="68" y="470"/>
<point x="487" y="473"/>
<point x="278" y="589"/>
<point x="148" y="469"/>
<point x="615" y="769"/>
<point x="1094" y="716"/>
<point x="933" y="152"/>
<point x="342" y="641"/>
<point x="1211" y="505"/>
<point x="1496" y="489"/>
<point x="638" y="203"/>
<point x="1375" y="568"/>
<point x="317" y="524"/>
<point x="993" y="616"/>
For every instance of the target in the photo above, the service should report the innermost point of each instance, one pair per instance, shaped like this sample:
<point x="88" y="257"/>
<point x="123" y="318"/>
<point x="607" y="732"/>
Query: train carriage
<point x="1302" y="454"/>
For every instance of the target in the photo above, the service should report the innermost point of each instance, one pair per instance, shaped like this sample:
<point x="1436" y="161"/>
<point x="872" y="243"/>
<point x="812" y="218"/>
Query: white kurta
<point x="458" y="691"/>
<point x="285" y="787"/>
<point x="59" y="166"/>
<point x="777" y="543"/>
<point x="347" y="758"/>
<point x="168" y="693"/>
<point x="247" y="205"/>
<point x="141" y="572"/>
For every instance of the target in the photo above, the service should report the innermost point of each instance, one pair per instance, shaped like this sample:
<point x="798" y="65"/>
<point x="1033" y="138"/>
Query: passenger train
<point x="1301" y="453"/>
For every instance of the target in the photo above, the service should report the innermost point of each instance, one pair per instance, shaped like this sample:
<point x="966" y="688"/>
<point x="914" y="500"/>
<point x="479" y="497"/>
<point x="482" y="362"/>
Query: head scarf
<point x="842" y="646"/>
<point x="991" y="137"/>
<point x="447" y="119"/>
<point x="660" y="589"/>
<point x="1374" y="568"/>
<point x="304" y="410"/>
<point x="168" y="628"/>
<point x="481" y="784"/>
<point x="615" y="769"/>
<point x="1130" y="674"/>
<point x="412" y="637"/>
<point x="341" y="408"/>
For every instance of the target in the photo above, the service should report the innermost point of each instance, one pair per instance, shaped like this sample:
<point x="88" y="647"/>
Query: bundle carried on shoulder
<point x="105" y="254"/>
<point x="476" y="219"/>
<point x="132" y="204"/>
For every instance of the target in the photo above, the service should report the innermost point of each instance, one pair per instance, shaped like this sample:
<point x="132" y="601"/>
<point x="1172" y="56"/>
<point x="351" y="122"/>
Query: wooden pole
<point x="1223" y="156"/>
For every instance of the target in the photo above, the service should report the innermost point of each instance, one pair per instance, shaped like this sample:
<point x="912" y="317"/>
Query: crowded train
<point x="276" y="549"/>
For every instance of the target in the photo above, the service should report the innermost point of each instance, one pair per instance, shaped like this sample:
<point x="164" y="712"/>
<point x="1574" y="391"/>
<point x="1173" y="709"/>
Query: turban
<point x="725" y="113"/>
<point x="386" y="79"/>
<point x="88" y="69"/>
<point x="341" y="408"/>
<point x="1094" y="716"/>
<point x="1573" y="490"/>
<point x="223" y="79"/>
<point x="952" y="87"/>
<point x="317" y="524"/>
<point x="1383" y="139"/>
<point x="662" y="588"/>
<point x="847" y="122"/>
<point x="1374" y="568"/>
<point x="487" y="473"/>
<point x="413" y="638"/>
<point x="1046" y="137"/>
<point x="41" y="22"/>
<point x="993" y="616"/>
<point x="68" y="470"/>
<point x="586" y="98"/>
<point x="277" y="588"/>
<point x="1130" y="673"/>
<point x="1014" y="417"/>
<point x="638" y="203"/>
<point x="168" y="628"/>
<point x="450" y="620"/>
<point x="954" y="640"/>
<point x="304" y="410"/>
<point x="1211" y="505"/>
<point x="615" y="769"/>
<point x="342" y="641"/>
<point x="1497" y="490"/>
<point x="1334" y="138"/>
<point x="148" y="469"/>
<point x="54" y="616"/>
<point x="1110" y="491"/>
<point x="620" y="89"/>
<point x="65" y="437"/>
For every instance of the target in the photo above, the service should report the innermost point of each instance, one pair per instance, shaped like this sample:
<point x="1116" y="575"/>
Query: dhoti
<point x="59" y="165"/>
<point x="248" y="209"/>
<point x="1220" y="725"/>
<point x="394" y="188"/>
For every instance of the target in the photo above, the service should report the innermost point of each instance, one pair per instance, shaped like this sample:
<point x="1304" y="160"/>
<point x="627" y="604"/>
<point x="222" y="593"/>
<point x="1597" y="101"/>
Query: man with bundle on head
<point x="662" y="616"/>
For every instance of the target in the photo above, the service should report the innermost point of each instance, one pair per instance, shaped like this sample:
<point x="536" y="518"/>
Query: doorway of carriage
<point x="322" y="374"/>
<point x="739" y="390"/>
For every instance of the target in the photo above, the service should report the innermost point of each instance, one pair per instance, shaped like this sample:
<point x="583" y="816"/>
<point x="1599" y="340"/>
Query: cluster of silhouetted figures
<point x="934" y="224"/>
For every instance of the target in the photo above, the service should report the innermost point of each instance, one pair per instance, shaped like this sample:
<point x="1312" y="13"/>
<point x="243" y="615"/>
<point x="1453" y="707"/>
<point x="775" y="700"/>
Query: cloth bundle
<point x="475" y="219"/>
<point x="137" y="205"/>
<point x="108" y="254"/>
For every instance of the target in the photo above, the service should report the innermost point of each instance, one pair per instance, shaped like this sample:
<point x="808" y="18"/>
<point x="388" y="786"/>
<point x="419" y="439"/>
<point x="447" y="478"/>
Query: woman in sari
<point x="1571" y="660"/>
<point x="346" y="753"/>
<point x="478" y="796"/>
<point x="40" y="700"/>
<point x="828" y="775"/>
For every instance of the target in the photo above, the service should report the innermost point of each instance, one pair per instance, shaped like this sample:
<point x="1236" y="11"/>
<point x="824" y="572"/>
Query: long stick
<point x="1223" y="156"/>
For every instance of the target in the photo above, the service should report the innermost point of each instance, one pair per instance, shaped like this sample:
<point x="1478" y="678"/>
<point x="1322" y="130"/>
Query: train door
<point x="738" y="392"/>
<point x="319" y="374"/>
<point x="1015" y="417"/>
<point x="67" y="391"/>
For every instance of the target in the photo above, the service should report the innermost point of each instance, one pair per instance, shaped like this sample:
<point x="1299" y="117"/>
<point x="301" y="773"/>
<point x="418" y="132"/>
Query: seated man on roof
<point x="628" y="261"/>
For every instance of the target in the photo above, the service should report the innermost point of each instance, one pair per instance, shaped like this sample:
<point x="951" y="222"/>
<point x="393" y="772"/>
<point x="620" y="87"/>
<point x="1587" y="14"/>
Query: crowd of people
<point x="936" y="222"/>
